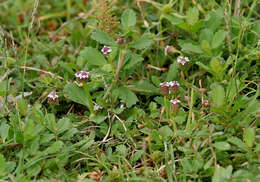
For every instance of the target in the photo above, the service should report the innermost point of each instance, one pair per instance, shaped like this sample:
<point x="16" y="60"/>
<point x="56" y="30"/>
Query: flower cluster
<point x="167" y="50"/>
<point x="82" y="75"/>
<point x="182" y="60"/>
<point x="175" y="101"/>
<point x="168" y="87"/>
<point x="53" y="97"/>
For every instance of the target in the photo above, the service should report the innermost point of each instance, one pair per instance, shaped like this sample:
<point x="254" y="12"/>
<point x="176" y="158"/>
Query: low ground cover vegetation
<point x="129" y="90"/>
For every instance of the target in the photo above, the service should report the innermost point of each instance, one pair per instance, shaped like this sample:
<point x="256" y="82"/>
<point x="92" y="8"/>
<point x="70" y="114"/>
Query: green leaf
<point x="54" y="148"/>
<point x="92" y="57"/>
<point x="217" y="95"/>
<point x="236" y="141"/>
<point x="218" y="39"/>
<point x="215" y="65"/>
<point x="142" y="43"/>
<point x="137" y="155"/>
<point x="4" y="129"/>
<point x="221" y="174"/>
<point x="63" y="125"/>
<point x="165" y="131"/>
<point x="134" y="59"/>
<point x="127" y="96"/>
<point x="3" y="88"/>
<point x="222" y="146"/>
<point x="121" y="149"/>
<point x="205" y="67"/>
<point x="76" y="94"/>
<point x="206" y="47"/>
<point x="128" y="18"/>
<point x="22" y="106"/>
<point x="102" y="38"/>
<point x="2" y="165"/>
<point x="173" y="71"/>
<point x="192" y="15"/>
<point x="206" y="34"/>
<point x="98" y="118"/>
<point x="249" y="137"/>
<point x="146" y="86"/>
<point x="173" y="19"/>
<point x="187" y="46"/>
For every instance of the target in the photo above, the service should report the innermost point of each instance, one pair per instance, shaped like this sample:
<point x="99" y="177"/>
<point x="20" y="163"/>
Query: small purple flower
<point x="120" y="40"/>
<point x="173" y="86"/>
<point x="168" y="87"/>
<point x="97" y="107"/>
<point x="167" y="49"/>
<point x="164" y="87"/>
<point x="175" y="101"/>
<point x="82" y="75"/>
<point x="53" y="97"/>
<point x="182" y="60"/>
<point x="106" y="50"/>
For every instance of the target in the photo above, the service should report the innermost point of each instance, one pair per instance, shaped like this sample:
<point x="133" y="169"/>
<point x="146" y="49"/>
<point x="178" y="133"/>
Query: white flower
<point x="182" y="60"/>
<point x="82" y="75"/>
<point x="97" y="107"/>
<point x="106" y="50"/>
<point x="175" y="101"/>
<point x="52" y="95"/>
<point x="173" y="83"/>
<point x="167" y="50"/>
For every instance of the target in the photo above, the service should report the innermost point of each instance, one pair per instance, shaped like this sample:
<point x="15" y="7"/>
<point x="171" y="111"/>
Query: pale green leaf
<point x="218" y="39"/>
<point x="76" y="94"/>
<point x="222" y="146"/>
<point x="192" y="15"/>
<point x="91" y="56"/>
<point x="217" y="95"/>
<point x="249" y="137"/>
<point x="142" y="43"/>
<point x="102" y="37"/>
<point x="126" y="95"/>
<point x="128" y="18"/>
<point x="4" y="129"/>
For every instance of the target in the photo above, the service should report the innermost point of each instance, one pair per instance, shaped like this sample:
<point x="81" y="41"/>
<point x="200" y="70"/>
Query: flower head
<point x="167" y="50"/>
<point x="53" y="97"/>
<point x="182" y="60"/>
<point x="120" y="40"/>
<point x="97" y="107"/>
<point x="168" y="87"/>
<point x="106" y="50"/>
<point x="82" y="75"/>
<point x="173" y="86"/>
<point x="175" y="101"/>
<point x="164" y="87"/>
<point x="175" y="105"/>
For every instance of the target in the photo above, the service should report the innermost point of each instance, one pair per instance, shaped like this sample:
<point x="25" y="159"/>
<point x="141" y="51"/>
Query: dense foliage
<point x="129" y="90"/>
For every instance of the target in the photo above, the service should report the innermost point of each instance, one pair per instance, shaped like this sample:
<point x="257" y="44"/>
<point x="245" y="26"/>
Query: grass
<point x="122" y="123"/>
